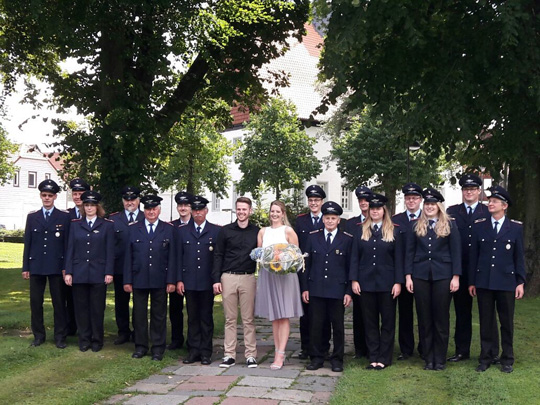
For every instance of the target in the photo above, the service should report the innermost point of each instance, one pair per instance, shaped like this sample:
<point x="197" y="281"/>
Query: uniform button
<point x="429" y="251"/>
<point x="325" y="276"/>
<point x="470" y="226"/>
<point x="87" y="260"/>
<point x="150" y="264"/>
<point x="87" y="243"/>
<point x="374" y="264"/>
<point x="429" y="245"/>
<point x="491" y="266"/>
<point x="470" y="245"/>
<point x="149" y="257"/>
<point x="512" y="272"/>
<point x="87" y="234"/>
<point x="374" y="255"/>
<point x="150" y="241"/>
<point x="44" y="238"/>
<point x="150" y="249"/>
<point x="44" y="245"/>
<point x="45" y="231"/>
<point x="44" y="253"/>
<point x="493" y="257"/>
<point x="87" y="251"/>
<point x="198" y="258"/>
<point x="198" y="251"/>
<point x="430" y="258"/>
<point x="494" y="248"/>
<point x="327" y="255"/>
<point x="470" y="236"/>
<point x="198" y="243"/>
<point x="198" y="267"/>
<point x="326" y="262"/>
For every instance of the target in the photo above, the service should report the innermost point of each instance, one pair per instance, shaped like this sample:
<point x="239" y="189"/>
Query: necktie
<point x="412" y="216"/>
<point x="90" y="224"/>
<point x="47" y="215"/>
<point x="315" y="220"/>
<point x="151" y="231"/>
<point x="431" y="223"/>
<point x="469" y="213"/>
<point x="328" y="239"/>
<point x="375" y="228"/>
<point x="198" y="230"/>
<point x="495" y="225"/>
<point x="131" y="218"/>
<point x="78" y="214"/>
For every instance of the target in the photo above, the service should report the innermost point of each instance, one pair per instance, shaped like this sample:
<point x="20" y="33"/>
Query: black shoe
<point x="428" y="366"/>
<point x="303" y="355"/>
<point x="377" y="367"/>
<point x="120" y="340"/>
<point x="157" y="357"/>
<point x="314" y="366"/>
<point x="482" y="367"/>
<point x="403" y="356"/>
<point x="507" y="369"/>
<point x="174" y="345"/>
<point x="205" y="360"/>
<point x="370" y="367"/>
<point x="96" y="348"/>
<point x="358" y="355"/>
<point x="138" y="355"/>
<point x="496" y="360"/>
<point x="36" y="342"/>
<point x="61" y="344"/>
<point x="227" y="362"/>
<point x="439" y="367"/>
<point x="84" y="348"/>
<point x="337" y="367"/>
<point x="458" y="357"/>
<point x="191" y="358"/>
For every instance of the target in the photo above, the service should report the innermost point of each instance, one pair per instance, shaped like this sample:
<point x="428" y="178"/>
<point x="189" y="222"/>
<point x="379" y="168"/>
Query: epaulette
<point x="61" y="210"/>
<point x="359" y="223"/>
<point x="32" y="212"/>
<point x="515" y="221"/>
<point x="315" y="231"/>
<point x="348" y="234"/>
<point x="451" y="218"/>
<point x="133" y="223"/>
<point x="108" y="220"/>
<point x="395" y="224"/>
<point x="168" y="223"/>
<point x="114" y="213"/>
<point x="301" y="215"/>
<point x="480" y="220"/>
<point x="182" y="224"/>
<point x="76" y="219"/>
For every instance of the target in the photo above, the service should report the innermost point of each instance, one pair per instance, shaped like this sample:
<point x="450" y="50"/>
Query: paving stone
<point x="270" y="382"/>
<point x="202" y="393"/>
<point x="198" y="370"/>
<point x="116" y="399"/>
<point x="289" y="395"/>
<point x="207" y="383"/>
<point x="315" y="383"/>
<point x="321" y="397"/>
<point x="165" y="379"/>
<point x="156" y="400"/>
<point x="203" y="401"/>
<point x="248" y="392"/>
<point x="150" y="388"/>
<point x="263" y="372"/>
<point x="213" y="379"/>
<point x="322" y="372"/>
<point x="248" y="401"/>
<point x="171" y="369"/>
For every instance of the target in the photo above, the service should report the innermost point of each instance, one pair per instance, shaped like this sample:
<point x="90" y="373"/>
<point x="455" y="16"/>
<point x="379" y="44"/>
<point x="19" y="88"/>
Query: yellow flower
<point x="276" y="266"/>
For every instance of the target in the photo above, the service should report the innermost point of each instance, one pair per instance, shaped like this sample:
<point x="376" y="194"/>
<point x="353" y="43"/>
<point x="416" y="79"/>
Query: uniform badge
<point x="337" y="251"/>
<point x="57" y="234"/>
<point x="211" y="248"/>
<point x="95" y="231"/>
<point x="508" y="246"/>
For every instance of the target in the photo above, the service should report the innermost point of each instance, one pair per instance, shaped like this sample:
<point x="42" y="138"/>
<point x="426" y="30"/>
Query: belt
<point x="238" y="272"/>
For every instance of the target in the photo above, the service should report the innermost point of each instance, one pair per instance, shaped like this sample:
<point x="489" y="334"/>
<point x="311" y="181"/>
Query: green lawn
<point x="46" y="375"/>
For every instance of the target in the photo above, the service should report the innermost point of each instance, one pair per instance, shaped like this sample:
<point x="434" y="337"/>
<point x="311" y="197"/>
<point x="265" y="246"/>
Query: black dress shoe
<point x="192" y="358"/>
<point x="377" y="367"/>
<point x="370" y="367"/>
<point x="303" y="355"/>
<point x="337" y="367"/>
<point x="439" y="367"/>
<point x="428" y="366"/>
<point x="403" y="356"/>
<point x="120" y="340"/>
<point x="507" y="369"/>
<point x="174" y="345"/>
<point x="96" y="348"/>
<point x="84" y="348"/>
<point x="36" y="342"/>
<point x="205" y="360"/>
<point x="314" y="366"/>
<point x="138" y="355"/>
<point x="458" y="357"/>
<point x="61" y="344"/>
<point x="482" y="367"/>
<point x="157" y="357"/>
<point x="496" y="360"/>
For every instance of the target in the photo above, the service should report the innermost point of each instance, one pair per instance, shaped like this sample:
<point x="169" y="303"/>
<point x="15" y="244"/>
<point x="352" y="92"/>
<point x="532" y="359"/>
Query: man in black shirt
<point x="234" y="277"/>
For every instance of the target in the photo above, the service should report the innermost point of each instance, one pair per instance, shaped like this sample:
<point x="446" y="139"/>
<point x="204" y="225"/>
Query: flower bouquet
<point x="280" y="258"/>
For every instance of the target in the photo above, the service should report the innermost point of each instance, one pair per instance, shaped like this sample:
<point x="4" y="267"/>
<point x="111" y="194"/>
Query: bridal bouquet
<point x="281" y="258"/>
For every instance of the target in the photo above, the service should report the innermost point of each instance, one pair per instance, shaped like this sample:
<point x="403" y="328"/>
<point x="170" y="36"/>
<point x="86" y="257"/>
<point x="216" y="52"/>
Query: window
<point x="47" y="176"/>
<point x="345" y="199"/>
<point x="216" y="202"/>
<point x="32" y="179"/>
<point x="324" y="186"/>
<point x="16" y="179"/>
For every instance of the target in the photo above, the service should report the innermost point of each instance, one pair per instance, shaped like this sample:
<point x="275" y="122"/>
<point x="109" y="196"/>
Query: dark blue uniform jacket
<point x="303" y="226"/>
<point x="121" y="237"/>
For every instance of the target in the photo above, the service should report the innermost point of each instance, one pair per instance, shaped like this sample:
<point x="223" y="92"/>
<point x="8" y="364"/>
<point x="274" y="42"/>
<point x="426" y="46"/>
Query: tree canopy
<point x="276" y="151"/>
<point x="138" y="66"/>
<point x="6" y="149"/>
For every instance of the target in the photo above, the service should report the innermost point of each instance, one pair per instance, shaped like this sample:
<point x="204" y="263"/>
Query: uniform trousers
<point x="379" y="336"/>
<point x="406" y="322"/>
<point x="89" y="301"/>
<point x="200" y="307"/>
<point x="239" y="289"/>
<point x="158" y="319"/>
<point x="359" y="329"/>
<point x="37" y="292"/>
<point x="305" y="331"/>
<point x="504" y="302"/>
<point x="176" y="316"/>
<point x="71" y="323"/>
<point x="121" y="307"/>
<point x="433" y="309"/>
<point x="321" y="310"/>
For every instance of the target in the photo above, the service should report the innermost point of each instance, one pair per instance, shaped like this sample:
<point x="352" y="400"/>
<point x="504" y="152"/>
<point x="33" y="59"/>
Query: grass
<point x="47" y="375"/>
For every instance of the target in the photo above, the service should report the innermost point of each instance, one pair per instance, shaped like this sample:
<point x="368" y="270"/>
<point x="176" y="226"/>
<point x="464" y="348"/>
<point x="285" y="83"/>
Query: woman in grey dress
<point x="278" y="295"/>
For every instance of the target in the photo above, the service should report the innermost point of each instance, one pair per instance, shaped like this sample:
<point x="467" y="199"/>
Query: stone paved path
<point x="205" y="385"/>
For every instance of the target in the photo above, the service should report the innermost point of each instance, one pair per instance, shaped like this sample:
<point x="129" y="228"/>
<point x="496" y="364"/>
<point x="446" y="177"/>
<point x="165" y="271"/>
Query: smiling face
<point x="470" y="195"/>
<point x="331" y="222"/>
<point x="184" y="210"/>
<point x="131" y="205"/>
<point x="276" y="215"/>
<point x="90" y="210"/>
<point x="496" y="207"/>
<point x="47" y="199"/>
<point x="243" y="211"/>
<point x="315" y="204"/>
<point x="76" y="197"/>
<point x="152" y="214"/>
<point x="376" y="214"/>
<point x="431" y="209"/>
<point x="363" y="204"/>
<point x="412" y="202"/>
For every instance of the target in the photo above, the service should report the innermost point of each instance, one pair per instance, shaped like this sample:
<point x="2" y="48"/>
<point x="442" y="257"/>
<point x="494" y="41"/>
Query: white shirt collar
<point x="44" y="210"/>
<point x="416" y="214"/>
<point x="333" y="233"/>
<point x="135" y="214"/>
<point x="201" y="225"/>
<point x="154" y="226"/>
<point x="473" y="206"/>
<point x="500" y="221"/>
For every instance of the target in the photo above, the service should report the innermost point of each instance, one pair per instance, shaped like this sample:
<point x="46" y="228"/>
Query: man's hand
<point x="180" y="288"/>
<point x="396" y="290"/>
<point x="108" y="279"/>
<point x="26" y="275"/>
<point x="347" y="299"/>
<point x="305" y="297"/>
<point x="171" y="288"/>
<point x="128" y="288"/>
<point x="472" y="290"/>
<point x="519" y="292"/>
<point x="68" y="280"/>
<point x="356" y="287"/>
<point x="218" y="289"/>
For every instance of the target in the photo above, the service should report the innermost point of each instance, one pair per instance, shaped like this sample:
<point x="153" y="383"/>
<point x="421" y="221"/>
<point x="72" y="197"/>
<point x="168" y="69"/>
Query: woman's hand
<point x="68" y="280"/>
<point x="396" y="290"/>
<point x="356" y="287"/>
<point x="108" y="279"/>
<point x="409" y="284"/>
<point x="454" y="284"/>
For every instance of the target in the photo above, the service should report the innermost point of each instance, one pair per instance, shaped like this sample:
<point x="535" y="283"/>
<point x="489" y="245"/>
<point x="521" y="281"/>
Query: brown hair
<point x="245" y="200"/>
<point x="281" y="205"/>
<point x="100" y="211"/>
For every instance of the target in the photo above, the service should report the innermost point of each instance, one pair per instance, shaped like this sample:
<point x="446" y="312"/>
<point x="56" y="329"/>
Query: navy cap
<point x="331" y="208"/>
<point x="130" y="193"/>
<point x="377" y="200"/>
<point x="363" y="192"/>
<point x="470" y="180"/>
<point x="198" y="202"/>
<point x="500" y="193"/>
<point x="411" y="189"/>
<point x="431" y="195"/>
<point x="49" y="186"/>
<point x="183" y="197"/>
<point x="91" y="196"/>
<point x="79" y="184"/>
<point x="151" y="201"/>
<point x="315" y="191"/>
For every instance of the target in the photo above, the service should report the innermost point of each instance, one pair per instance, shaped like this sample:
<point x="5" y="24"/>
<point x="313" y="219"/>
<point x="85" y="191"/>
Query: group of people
<point x="377" y="262"/>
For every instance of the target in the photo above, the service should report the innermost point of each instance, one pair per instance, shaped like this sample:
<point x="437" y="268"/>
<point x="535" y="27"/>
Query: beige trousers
<point x="239" y="289"/>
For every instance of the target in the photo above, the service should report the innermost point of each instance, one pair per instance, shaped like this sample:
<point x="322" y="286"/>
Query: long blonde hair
<point x="281" y="205"/>
<point x="442" y="226"/>
<point x="387" y="228"/>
